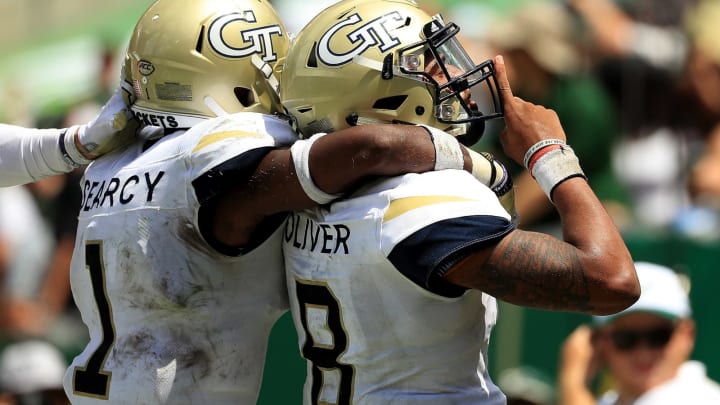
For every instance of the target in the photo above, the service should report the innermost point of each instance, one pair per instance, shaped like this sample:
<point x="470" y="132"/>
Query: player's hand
<point x="525" y="123"/>
<point x="114" y="127"/>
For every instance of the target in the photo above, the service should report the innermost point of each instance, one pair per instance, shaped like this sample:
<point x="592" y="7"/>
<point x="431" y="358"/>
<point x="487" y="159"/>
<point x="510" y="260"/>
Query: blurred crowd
<point x="636" y="84"/>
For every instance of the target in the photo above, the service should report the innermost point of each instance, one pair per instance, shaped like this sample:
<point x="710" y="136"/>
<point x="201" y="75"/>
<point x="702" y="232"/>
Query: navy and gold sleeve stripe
<point x="426" y="255"/>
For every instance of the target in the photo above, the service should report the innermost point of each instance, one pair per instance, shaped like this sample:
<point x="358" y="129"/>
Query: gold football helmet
<point x="363" y="61"/>
<point x="193" y="59"/>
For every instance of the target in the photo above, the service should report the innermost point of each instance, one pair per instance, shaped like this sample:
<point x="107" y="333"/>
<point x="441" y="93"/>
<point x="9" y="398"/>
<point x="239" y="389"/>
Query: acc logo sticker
<point x="146" y="68"/>
<point x="373" y="33"/>
<point x="225" y="40"/>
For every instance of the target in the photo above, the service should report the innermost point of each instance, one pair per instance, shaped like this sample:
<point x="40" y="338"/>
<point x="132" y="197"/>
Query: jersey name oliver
<point x="305" y="234"/>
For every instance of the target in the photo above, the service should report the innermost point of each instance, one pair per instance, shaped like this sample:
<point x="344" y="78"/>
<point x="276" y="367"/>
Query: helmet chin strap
<point x="266" y="71"/>
<point x="473" y="131"/>
<point x="214" y="106"/>
<point x="368" y="63"/>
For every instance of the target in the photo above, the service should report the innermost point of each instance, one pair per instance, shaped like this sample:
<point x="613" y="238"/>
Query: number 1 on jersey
<point x="92" y="380"/>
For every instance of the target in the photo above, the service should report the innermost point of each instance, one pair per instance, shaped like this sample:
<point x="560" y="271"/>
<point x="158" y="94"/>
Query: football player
<point x="177" y="269"/>
<point x="393" y="288"/>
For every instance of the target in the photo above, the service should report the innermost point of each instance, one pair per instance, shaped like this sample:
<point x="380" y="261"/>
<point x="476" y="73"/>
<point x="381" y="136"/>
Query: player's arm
<point x="341" y="160"/>
<point x="29" y="154"/>
<point x="330" y="165"/>
<point x="316" y="171"/>
<point x="590" y="270"/>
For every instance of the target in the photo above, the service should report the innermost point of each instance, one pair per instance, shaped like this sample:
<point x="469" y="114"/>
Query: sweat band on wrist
<point x="448" y="152"/>
<point x="300" y="152"/>
<point x="70" y="153"/>
<point x="539" y="145"/>
<point x="540" y="153"/>
<point x="555" y="167"/>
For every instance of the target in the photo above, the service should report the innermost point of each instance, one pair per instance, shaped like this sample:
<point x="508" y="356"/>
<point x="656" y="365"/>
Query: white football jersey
<point x="171" y="320"/>
<point x="376" y="322"/>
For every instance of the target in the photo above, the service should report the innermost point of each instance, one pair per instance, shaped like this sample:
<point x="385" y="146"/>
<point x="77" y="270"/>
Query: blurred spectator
<point x="704" y="183"/>
<point x="645" y="350"/>
<point x="27" y="244"/>
<point x="704" y="81"/>
<point x="38" y="222"/>
<point x="546" y="66"/>
<point x="31" y="373"/>
<point x="57" y="199"/>
<point x="34" y="265"/>
<point x="704" y="57"/>
<point x="639" y="50"/>
<point x="649" y="35"/>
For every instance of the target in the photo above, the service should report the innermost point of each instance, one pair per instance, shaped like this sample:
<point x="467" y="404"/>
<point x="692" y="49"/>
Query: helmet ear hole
<point x="200" y="42"/>
<point x="390" y="103"/>
<point x="473" y="133"/>
<point x="312" y="57"/>
<point x="245" y="96"/>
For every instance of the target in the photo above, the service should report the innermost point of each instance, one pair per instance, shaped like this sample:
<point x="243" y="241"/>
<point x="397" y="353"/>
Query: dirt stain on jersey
<point x="157" y="349"/>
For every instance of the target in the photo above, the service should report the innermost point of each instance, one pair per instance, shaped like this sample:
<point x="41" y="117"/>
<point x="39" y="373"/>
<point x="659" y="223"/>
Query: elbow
<point x="617" y="291"/>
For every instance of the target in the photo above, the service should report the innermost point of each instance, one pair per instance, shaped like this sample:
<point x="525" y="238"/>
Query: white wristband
<point x="448" y="152"/>
<point x="69" y="150"/>
<point x="539" y="145"/>
<point x="300" y="152"/>
<point x="555" y="167"/>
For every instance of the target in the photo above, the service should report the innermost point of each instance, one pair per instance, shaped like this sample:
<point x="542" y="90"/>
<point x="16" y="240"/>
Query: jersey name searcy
<point x="122" y="191"/>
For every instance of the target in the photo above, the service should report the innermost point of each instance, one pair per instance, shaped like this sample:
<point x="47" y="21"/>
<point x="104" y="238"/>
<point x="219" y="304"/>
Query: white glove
<point x="114" y="127"/>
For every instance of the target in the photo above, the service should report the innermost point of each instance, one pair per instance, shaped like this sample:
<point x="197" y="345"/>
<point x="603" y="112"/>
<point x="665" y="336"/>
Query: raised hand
<point x="525" y="123"/>
<point x="114" y="127"/>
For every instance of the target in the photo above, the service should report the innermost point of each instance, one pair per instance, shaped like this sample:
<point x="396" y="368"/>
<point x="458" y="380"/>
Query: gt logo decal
<point x="223" y="39"/>
<point x="373" y="33"/>
<point x="146" y="68"/>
